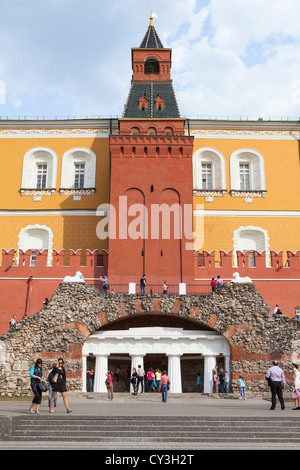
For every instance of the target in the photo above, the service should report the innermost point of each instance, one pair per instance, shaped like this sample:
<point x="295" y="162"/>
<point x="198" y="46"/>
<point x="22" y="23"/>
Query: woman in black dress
<point x="59" y="384"/>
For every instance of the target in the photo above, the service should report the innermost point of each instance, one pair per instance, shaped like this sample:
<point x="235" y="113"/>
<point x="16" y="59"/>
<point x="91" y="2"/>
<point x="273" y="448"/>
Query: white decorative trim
<point x="49" y="213"/>
<point x="212" y="192"/>
<point x="37" y="193"/>
<point x="55" y="133"/>
<point x="244" y="134"/>
<point x="77" y="193"/>
<point x="245" y="213"/>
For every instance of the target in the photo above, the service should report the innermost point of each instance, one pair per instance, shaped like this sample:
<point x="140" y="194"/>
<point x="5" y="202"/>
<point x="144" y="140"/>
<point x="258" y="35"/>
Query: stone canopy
<point x="76" y="310"/>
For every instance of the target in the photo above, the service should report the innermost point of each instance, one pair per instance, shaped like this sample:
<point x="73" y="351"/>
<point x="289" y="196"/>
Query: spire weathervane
<point x="153" y="15"/>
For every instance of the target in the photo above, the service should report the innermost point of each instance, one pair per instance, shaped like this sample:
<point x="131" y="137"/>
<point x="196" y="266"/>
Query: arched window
<point x="151" y="131"/>
<point x="251" y="239"/>
<point x="78" y="169"/>
<point x="36" y="238"/>
<point x="151" y="66"/>
<point x="134" y="131"/>
<point x="209" y="170"/>
<point x="247" y="171"/>
<point x="39" y="169"/>
<point x="168" y="131"/>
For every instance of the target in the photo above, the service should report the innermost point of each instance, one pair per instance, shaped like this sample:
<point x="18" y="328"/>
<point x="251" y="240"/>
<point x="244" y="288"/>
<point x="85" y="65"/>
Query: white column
<point x="174" y="373"/>
<point x="84" y="372"/>
<point x="227" y="365"/>
<point x="100" y="371"/>
<point x="136" y="360"/>
<point x="209" y="364"/>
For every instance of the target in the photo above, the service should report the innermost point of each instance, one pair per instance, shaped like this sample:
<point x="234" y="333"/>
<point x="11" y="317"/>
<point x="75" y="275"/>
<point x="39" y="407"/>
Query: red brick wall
<point x="277" y="284"/>
<point x="23" y="288"/>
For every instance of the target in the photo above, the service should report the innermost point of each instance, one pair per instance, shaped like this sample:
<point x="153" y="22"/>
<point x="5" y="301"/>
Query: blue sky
<point x="232" y="58"/>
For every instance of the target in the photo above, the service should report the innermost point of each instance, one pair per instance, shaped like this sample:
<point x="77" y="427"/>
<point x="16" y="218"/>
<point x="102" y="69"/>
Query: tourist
<point x="226" y="382"/>
<point x="50" y="387"/>
<point x="296" y="386"/>
<point x="46" y="301"/>
<point x="165" y="384"/>
<point x="213" y="284"/>
<point x="143" y="284"/>
<point x="134" y="380"/>
<point x="140" y="378"/>
<point x="277" y="310"/>
<point x="158" y="379"/>
<point x="149" y="379"/>
<point x="219" y="281"/>
<point x="105" y="286"/>
<point x="165" y="287"/>
<point x="198" y="383"/>
<point x="36" y="375"/>
<point x="91" y="379"/>
<point x="216" y="384"/>
<point x="242" y="385"/>
<point x="153" y="384"/>
<point x="221" y="379"/>
<point x="13" y="322"/>
<point x="276" y="379"/>
<point x="297" y="313"/>
<point x="109" y="385"/>
<point x="58" y="383"/>
<point x="214" y="371"/>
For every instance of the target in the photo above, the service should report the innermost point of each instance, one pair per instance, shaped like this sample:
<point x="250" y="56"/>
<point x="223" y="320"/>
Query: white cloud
<point x="72" y="58"/>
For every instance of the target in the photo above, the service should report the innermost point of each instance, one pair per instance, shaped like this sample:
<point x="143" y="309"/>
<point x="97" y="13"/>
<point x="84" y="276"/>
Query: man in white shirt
<point x="140" y="378"/>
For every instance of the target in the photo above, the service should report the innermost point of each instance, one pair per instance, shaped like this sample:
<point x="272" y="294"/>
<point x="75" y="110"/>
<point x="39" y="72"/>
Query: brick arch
<point x="76" y="310"/>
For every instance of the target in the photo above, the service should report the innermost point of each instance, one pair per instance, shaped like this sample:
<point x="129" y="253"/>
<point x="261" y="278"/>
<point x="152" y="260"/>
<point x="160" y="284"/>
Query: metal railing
<point x="173" y="289"/>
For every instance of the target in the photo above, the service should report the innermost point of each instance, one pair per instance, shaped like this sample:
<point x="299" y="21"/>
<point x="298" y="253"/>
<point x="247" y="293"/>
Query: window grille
<point x="79" y="175"/>
<point x="41" y="180"/>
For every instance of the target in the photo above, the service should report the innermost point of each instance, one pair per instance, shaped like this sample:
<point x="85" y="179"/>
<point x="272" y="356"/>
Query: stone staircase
<point x="141" y="429"/>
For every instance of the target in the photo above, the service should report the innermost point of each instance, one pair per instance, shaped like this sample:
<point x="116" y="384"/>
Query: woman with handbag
<point x="36" y="375"/>
<point x="296" y="386"/>
<point x="58" y="382"/>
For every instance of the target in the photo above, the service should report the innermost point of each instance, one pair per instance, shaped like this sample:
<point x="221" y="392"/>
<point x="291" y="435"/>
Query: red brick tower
<point x="151" y="171"/>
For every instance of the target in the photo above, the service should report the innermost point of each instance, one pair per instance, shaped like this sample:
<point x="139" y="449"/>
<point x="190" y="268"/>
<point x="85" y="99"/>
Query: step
<point x="141" y="429"/>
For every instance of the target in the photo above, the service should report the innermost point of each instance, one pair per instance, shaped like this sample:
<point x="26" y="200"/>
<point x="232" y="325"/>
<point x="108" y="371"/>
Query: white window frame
<point x="217" y="160"/>
<point x="78" y="155"/>
<point x="38" y="156"/>
<point x="257" y="170"/>
<point x="236" y="242"/>
<point x="23" y="243"/>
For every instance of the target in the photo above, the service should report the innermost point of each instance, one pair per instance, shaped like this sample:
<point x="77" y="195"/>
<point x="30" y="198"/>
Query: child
<point x="198" y="383"/>
<point x="242" y="385"/>
<point x="226" y="382"/>
<point x="216" y="384"/>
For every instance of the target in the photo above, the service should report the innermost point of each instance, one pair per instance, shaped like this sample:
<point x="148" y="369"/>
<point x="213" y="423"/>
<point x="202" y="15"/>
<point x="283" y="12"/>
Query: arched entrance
<point x="173" y="343"/>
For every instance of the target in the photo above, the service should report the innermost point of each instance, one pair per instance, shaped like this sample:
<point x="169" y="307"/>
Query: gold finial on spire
<point x="153" y="15"/>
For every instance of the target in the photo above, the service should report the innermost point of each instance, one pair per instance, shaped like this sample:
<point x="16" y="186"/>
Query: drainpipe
<point x="28" y="295"/>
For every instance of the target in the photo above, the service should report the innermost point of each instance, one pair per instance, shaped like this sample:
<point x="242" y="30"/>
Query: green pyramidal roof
<point x="151" y="39"/>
